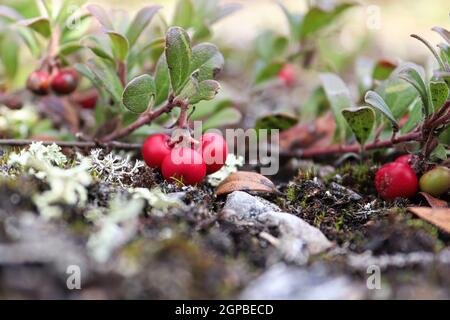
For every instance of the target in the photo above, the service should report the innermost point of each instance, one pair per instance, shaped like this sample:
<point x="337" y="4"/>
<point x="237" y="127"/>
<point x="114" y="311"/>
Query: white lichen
<point x="114" y="168"/>
<point x="155" y="198"/>
<point x="67" y="186"/>
<point x="231" y="165"/>
<point x="19" y="123"/>
<point x="37" y="152"/>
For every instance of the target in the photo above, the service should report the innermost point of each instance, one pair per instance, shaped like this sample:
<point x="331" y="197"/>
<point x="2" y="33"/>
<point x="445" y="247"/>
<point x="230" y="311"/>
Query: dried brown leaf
<point x="245" y="181"/>
<point x="440" y="217"/>
<point x="307" y="135"/>
<point x="434" y="202"/>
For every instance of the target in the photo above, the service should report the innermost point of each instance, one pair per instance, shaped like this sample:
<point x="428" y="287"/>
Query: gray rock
<point x="290" y="282"/>
<point x="297" y="238"/>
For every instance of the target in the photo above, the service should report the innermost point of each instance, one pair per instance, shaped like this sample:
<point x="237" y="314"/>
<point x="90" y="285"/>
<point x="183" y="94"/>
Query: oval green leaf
<point x="119" y="44"/>
<point x="40" y="24"/>
<point x="439" y="93"/>
<point x="361" y="121"/>
<point x="207" y="61"/>
<point x="376" y="101"/>
<point x="140" y="22"/>
<point x="138" y="93"/>
<point x="178" y="56"/>
<point x="101" y="15"/>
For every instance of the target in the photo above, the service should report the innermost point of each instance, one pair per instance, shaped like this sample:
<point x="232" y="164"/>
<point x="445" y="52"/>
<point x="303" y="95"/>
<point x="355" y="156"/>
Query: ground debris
<point x="296" y="239"/>
<point x="293" y="283"/>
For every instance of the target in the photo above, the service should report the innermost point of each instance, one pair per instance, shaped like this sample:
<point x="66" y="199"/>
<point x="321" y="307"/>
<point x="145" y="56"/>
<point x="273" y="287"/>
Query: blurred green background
<point x="389" y="23"/>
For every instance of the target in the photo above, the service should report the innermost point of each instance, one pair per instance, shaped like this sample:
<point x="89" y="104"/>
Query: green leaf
<point x="383" y="70"/>
<point x="270" y="45"/>
<point x="162" y="81"/>
<point x="184" y="12"/>
<point x="444" y="33"/>
<point x="45" y="8"/>
<point x="178" y="56"/>
<point x="397" y="94"/>
<point x="205" y="90"/>
<point x="439" y="153"/>
<point x="439" y="93"/>
<point x="339" y="97"/>
<point x="294" y="20"/>
<point x="414" y="116"/>
<point x="281" y="121"/>
<point x="98" y="47"/>
<point x="376" y="101"/>
<point x="206" y="62"/>
<point x="29" y="38"/>
<point x="140" y="22"/>
<point x="86" y="72"/>
<point x="101" y="15"/>
<point x="268" y="72"/>
<point x="107" y="76"/>
<point x="9" y="56"/>
<point x="317" y="18"/>
<point x="411" y="73"/>
<point x="314" y="105"/>
<point x="138" y="93"/>
<point x="361" y="121"/>
<point x="10" y="14"/>
<point x="432" y="50"/>
<point x="40" y="24"/>
<point x="224" y="117"/>
<point x="119" y="44"/>
<point x="204" y="108"/>
<point x="69" y="48"/>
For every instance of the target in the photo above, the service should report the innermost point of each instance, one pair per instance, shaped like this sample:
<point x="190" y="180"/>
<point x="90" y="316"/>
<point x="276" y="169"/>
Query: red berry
<point x="88" y="100"/>
<point x="405" y="159"/>
<point x="155" y="149"/>
<point x="403" y="120"/>
<point x="65" y="81"/>
<point x="214" y="151"/>
<point x="287" y="75"/>
<point x="38" y="82"/>
<point x="394" y="180"/>
<point x="184" y="164"/>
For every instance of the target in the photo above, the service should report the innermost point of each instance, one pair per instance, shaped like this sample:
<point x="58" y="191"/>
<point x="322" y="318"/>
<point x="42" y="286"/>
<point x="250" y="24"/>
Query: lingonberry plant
<point x="412" y="108"/>
<point x="139" y="78"/>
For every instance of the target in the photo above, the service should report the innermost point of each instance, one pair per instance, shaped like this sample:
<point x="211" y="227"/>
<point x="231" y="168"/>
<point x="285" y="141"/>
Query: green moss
<point x="359" y="177"/>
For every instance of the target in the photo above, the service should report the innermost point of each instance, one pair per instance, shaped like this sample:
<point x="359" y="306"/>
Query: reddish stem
<point x="145" y="118"/>
<point x="323" y="151"/>
<point x="73" y="144"/>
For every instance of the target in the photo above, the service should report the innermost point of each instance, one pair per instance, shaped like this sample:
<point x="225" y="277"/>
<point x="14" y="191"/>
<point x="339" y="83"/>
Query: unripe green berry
<point x="436" y="181"/>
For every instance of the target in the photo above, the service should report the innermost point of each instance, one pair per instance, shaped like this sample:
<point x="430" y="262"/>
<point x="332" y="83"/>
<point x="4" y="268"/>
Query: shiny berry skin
<point x="396" y="180"/>
<point x="214" y="151"/>
<point x="185" y="165"/>
<point x="65" y="81"/>
<point x="287" y="75"/>
<point x="155" y="149"/>
<point x="405" y="159"/>
<point x="38" y="82"/>
<point x="435" y="182"/>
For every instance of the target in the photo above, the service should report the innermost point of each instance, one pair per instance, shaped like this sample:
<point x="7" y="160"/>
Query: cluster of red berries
<point x="63" y="81"/>
<point x="188" y="165"/>
<point x="398" y="180"/>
